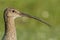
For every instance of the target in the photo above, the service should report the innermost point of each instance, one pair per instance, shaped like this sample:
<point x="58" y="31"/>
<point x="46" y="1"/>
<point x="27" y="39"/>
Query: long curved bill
<point x="36" y="18"/>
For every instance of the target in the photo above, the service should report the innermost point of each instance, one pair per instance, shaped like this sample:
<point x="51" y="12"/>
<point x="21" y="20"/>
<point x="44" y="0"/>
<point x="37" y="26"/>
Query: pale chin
<point x="16" y="16"/>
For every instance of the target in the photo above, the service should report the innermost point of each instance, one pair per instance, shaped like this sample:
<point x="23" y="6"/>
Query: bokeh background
<point x="30" y="29"/>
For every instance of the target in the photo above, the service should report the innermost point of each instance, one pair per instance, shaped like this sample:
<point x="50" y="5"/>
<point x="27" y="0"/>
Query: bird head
<point x="13" y="13"/>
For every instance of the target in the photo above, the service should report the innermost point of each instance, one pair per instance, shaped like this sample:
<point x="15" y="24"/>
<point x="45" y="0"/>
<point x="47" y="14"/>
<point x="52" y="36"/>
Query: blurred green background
<point x="30" y="29"/>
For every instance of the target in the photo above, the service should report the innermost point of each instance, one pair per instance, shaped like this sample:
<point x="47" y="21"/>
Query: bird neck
<point x="10" y="30"/>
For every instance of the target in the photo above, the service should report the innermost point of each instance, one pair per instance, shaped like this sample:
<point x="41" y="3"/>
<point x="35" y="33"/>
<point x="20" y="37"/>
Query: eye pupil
<point x="13" y="11"/>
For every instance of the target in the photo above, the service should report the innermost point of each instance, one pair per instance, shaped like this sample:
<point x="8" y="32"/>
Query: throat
<point x="10" y="30"/>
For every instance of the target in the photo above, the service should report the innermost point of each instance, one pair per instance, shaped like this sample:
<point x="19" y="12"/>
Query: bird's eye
<point x="13" y="10"/>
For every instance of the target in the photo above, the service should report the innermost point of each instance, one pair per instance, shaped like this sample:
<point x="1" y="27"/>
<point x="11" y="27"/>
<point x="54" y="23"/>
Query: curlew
<point x="9" y="15"/>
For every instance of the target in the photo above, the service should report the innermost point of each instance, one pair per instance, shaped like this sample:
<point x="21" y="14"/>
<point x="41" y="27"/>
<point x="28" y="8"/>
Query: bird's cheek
<point x="16" y="16"/>
<point x="9" y="15"/>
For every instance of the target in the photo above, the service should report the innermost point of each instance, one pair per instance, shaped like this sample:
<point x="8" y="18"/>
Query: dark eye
<point x="13" y="10"/>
